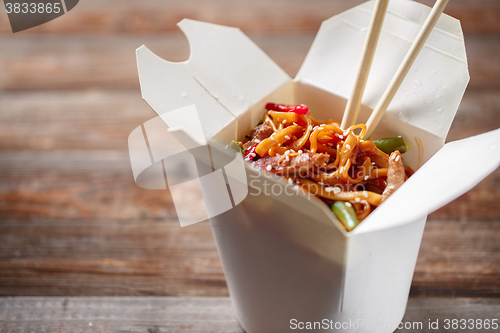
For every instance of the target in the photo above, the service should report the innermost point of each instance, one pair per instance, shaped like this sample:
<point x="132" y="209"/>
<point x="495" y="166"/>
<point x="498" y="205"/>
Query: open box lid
<point x="431" y="92"/>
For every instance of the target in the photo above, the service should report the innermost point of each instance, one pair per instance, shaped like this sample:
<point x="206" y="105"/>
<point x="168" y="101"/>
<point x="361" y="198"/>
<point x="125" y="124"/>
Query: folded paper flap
<point x="430" y="94"/>
<point x="230" y="66"/>
<point x="188" y="122"/>
<point x="451" y="172"/>
<point x="419" y="14"/>
<point x="168" y="86"/>
<point x="225" y="74"/>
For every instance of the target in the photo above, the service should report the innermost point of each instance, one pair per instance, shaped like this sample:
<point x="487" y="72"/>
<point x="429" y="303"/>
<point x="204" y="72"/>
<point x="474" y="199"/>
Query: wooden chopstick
<point x="402" y="71"/>
<point x="354" y="102"/>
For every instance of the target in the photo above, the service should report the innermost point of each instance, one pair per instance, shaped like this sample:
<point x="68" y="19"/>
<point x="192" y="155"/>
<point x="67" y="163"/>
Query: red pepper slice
<point x="276" y="107"/>
<point x="251" y="154"/>
<point x="298" y="109"/>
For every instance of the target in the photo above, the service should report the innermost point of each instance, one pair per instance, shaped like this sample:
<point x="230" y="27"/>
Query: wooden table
<point x="74" y="225"/>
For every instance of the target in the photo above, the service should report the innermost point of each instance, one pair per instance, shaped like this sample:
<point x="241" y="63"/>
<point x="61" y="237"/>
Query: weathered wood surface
<point x="73" y="222"/>
<point x="144" y="256"/>
<point x="129" y="16"/>
<point x="45" y="62"/>
<point x="459" y="257"/>
<point x="166" y="314"/>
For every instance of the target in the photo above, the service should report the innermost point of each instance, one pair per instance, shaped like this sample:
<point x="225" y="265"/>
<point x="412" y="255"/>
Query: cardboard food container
<point x="286" y="257"/>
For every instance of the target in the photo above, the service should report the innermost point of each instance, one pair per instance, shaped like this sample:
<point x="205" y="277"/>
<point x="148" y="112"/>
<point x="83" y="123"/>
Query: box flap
<point x="430" y="94"/>
<point x="230" y="66"/>
<point x="225" y="74"/>
<point x="452" y="171"/>
<point x="168" y="86"/>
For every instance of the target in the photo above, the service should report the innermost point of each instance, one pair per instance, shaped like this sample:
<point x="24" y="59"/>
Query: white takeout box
<point x="285" y="256"/>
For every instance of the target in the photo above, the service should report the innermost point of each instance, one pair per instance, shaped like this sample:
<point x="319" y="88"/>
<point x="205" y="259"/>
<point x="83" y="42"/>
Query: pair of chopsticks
<point x="354" y="102"/>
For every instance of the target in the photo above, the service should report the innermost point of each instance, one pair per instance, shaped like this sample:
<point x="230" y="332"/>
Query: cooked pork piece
<point x="395" y="175"/>
<point x="259" y="133"/>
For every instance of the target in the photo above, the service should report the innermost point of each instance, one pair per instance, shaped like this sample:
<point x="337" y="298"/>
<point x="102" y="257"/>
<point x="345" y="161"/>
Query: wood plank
<point x="128" y="16"/>
<point x="76" y="184"/>
<point x="117" y="314"/>
<point x="165" y="314"/>
<point x="108" y="257"/>
<point x="425" y="309"/>
<point x="29" y="62"/>
<point x="144" y="256"/>
<point x="83" y="120"/>
<point x="455" y="254"/>
<point x="67" y="62"/>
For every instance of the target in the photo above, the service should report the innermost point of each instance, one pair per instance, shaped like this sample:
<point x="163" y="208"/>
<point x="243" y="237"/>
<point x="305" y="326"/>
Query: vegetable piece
<point x="251" y="154"/>
<point x="298" y="109"/>
<point x="236" y="145"/>
<point x="389" y="145"/>
<point x="346" y="214"/>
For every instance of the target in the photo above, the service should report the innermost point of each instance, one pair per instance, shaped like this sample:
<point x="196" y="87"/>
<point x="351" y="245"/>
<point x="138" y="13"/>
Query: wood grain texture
<point x="66" y="120"/>
<point x="72" y="220"/>
<point x="175" y="315"/>
<point x="117" y="314"/>
<point x="108" y="257"/>
<point x="128" y="16"/>
<point x="46" y="62"/>
<point x="99" y="257"/>
<point x="76" y="184"/>
<point x="458" y="257"/>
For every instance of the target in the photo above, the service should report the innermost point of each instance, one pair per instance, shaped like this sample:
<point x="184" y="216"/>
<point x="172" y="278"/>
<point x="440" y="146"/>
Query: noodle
<point x="320" y="157"/>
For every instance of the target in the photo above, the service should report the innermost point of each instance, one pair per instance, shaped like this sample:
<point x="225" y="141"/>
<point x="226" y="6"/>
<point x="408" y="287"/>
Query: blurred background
<point x="72" y="220"/>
